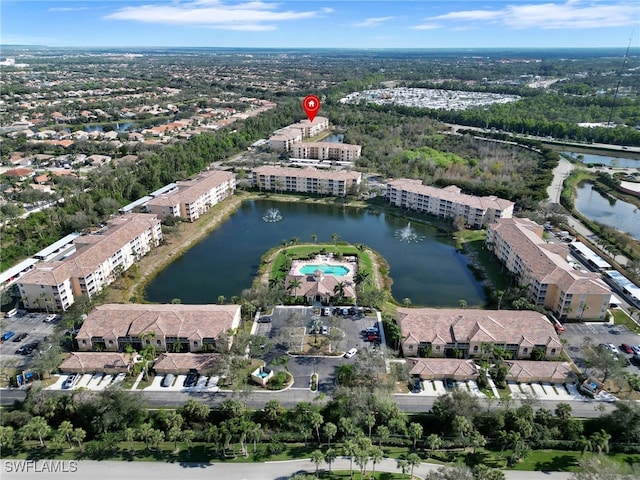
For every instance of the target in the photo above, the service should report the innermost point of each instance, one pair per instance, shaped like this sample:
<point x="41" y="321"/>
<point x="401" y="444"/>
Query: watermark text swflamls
<point x="40" y="466"/>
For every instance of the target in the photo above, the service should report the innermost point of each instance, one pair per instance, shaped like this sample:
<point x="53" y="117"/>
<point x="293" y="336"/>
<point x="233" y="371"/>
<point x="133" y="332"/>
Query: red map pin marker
<point x="311" y="106"/>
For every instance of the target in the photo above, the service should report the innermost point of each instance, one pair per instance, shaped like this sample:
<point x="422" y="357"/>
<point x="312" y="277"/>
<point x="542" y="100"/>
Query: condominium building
<point x="552" y="282"/>
<point x="192" y="198"/>
<point x="448" y="332"/>
<point x="285" y="138"/>
<point x="448" y="202"/>
<point x="168" y="327"/>
<point x="92" y="263"/>
<point x="326" y="151"/>
<point x="306" y="180"/>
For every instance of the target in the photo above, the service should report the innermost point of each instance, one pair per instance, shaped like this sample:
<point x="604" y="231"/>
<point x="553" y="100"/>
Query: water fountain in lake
<point x="273" y="215"/>
<point x="408" y="234"/>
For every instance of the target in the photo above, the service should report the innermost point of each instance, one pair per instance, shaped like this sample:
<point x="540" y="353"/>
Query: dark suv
<point x="191" y="380"/>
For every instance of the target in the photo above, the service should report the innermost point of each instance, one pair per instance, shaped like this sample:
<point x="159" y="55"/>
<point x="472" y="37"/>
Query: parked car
<point x="20" y="337"/>
<point x="264" y="320"/>
<point x="636" y="349"/>
<point x="68" y="383"/>
<point x="351" y="353"/>
<point x="417" y="386"/>
<point x="559" y="327"/>
<point x="613" y="349"/>
<point x="626" y="348"/>
<point x="345" y="312"/>
<point x="50" y="318"/>
<point x="7" y="335"/>
<point x="168" y="380"/>
<point x="449" y="383"/>
<point x="326" y="312"/>
<point x="191" y="380"/>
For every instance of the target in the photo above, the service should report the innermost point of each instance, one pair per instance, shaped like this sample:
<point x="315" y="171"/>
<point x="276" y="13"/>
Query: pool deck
<point x="351" y="266"/>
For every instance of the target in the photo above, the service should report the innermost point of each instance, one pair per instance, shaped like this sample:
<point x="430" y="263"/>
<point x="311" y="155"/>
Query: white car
<point x="613" y="349"/>
<point x="50" y="318"/>
<point x="351" y="353"/>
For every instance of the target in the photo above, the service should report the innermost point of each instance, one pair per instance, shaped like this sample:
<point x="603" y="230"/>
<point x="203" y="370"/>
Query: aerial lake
<point x="609" y="161"/>
<point x="614" y="213"/>
<point x="428" y="270"/>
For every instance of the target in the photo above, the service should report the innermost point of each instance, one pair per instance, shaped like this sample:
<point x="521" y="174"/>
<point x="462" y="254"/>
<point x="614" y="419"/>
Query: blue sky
<point x="317" y="24"/>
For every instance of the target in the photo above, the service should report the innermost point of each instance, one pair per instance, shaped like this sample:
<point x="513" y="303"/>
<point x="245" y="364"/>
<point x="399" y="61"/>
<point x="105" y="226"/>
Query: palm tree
<point x="334" y="239"/>
<point x="144" y="432"/>
<point x="350" y="448"/>
<point x="66" y="428"/>
<point x="415" y="432"/>
<point x="600" y="440"/>
<point x="403" y="465"/>
<point x="221" y="299"/>
<point x="361" y="278"/>
<point x="329" y="429"/>
<point x="317" y="457"/>
<point x="129" y="436"/>
<point x="339" y="290"/>
<point x="294" y="284"/>
<point x="314" y="238"/>
<point x="414" y="461"/>
<point x="329" y="457"/>
<point x="434" y="442"/>
<point x="377" y="455"/>
<point x="294" y="240"/>
<point x="78" y="436"/>
<point x="462" y="303"/>
<point x="37" y="427"/>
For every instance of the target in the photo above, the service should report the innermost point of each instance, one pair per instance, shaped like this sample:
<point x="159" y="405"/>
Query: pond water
<point x="615" y="213"/>
<point x="334" y="138"/>
<point x="589" y="159"/>
<point x="430" y="272"/>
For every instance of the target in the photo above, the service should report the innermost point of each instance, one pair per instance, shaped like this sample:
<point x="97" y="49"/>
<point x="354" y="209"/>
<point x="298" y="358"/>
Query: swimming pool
<point x="335" y="270"/>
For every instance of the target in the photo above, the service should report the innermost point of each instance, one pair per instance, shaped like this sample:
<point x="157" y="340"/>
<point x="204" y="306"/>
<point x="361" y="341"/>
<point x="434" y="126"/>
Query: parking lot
<point x="37" y="330"/>
<point x="576" y="333"/>
<point x="302" y="366"/>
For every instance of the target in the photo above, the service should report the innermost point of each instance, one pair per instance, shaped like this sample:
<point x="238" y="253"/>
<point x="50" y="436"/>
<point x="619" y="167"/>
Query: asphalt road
<point x="189" y="471"/>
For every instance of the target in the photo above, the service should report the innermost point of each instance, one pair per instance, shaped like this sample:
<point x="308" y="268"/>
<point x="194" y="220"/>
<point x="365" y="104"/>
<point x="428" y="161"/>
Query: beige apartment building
<point x="326" y="151"/>
<point x="93" y="262"/>
<point x="194" y="197"/>
<point x="441" y="332"/>
<point x="285" y="138"/>
<point x="306" y="180"/>
<point x="553" y="283"/>
<point x="448" y="202"/>
<point x="167" y="327"/>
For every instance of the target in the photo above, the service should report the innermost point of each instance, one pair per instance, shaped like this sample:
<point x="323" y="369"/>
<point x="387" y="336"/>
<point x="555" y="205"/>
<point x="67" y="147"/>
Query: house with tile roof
<point x="461" y="332"/>
<point x="167" y="327"/>
<point x="459" y="370"/>
<point x="552" y="282"/>
<point x="90" y="362"/>
<point x="182" y="363"/>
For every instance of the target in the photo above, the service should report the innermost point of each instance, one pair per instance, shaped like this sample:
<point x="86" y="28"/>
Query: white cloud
<point x="372" y="22"/>
<point x="426" y="26"/>
<point x="248" y="15"/>
<point x="568" y="15"/>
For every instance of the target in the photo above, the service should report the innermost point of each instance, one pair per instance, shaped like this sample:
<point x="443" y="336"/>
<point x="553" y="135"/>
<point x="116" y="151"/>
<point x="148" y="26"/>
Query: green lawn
<point x="621" y="318"/>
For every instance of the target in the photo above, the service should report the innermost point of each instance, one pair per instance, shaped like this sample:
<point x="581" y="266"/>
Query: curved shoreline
<point x="189" y="234"/>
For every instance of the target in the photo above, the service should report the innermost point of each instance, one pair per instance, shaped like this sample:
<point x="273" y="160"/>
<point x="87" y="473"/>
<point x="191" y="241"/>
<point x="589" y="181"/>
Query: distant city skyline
<point x="322" y="24"/>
